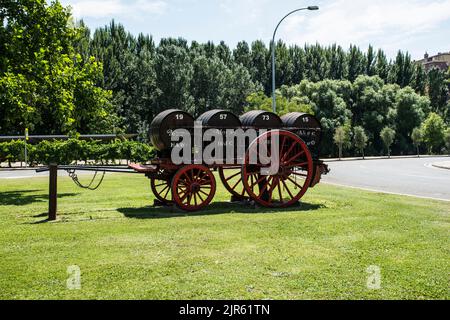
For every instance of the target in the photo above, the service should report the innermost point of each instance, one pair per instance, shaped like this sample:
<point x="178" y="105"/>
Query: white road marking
<point x="385" y="192"/>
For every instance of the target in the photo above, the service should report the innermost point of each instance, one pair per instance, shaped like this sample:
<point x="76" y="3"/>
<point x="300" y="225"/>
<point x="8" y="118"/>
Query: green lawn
<point x="127" y="249"/>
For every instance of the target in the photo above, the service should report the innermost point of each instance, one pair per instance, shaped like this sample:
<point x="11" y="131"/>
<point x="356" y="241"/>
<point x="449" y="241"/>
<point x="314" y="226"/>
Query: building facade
<point x="440" y="61"/>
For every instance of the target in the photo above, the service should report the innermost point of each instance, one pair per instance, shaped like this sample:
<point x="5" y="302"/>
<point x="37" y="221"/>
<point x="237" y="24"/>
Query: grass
<point x="127" y="249"/>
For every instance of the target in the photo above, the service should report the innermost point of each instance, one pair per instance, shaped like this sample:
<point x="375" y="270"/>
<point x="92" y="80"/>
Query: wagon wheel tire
<point x="293" y="179"/>
<point x="193" y="187"/>
<point x="161" y="190"/>
<point x="233" y="182"/>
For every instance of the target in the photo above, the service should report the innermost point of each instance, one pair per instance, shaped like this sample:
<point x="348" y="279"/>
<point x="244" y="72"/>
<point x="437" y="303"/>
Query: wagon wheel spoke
<point x="232" y="181"/>
<point x="264" y="189"/>
<point x="282" y="147"/>
<point x="233" y="176"/>
<point x="295" y="183"/>
<point x="298" y="174"/>
<point x="161" y="189"/>
<point x="296" y="156"/>
<point x="275" y="182"/>
<point x="287" y="189"/>
<point x="280" y="193"/>
<point x="288" y="153"/>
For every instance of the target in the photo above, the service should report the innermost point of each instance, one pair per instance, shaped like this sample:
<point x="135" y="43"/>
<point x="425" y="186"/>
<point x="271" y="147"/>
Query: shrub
<point x="67" y="152"/>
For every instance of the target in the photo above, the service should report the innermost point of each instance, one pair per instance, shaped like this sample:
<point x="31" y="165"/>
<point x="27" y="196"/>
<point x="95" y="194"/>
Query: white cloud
<point x="112" y="8"/>
<point x="384" y="23"/>
<point x="244" y="11"/>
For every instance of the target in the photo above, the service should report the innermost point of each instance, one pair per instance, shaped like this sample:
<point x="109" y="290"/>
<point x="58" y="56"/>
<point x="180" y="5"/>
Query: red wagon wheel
<point x="162" y="190"/>
<point x="293" y="179"/>
<point x="232" y="181"/>
<point x="193" y="187"/>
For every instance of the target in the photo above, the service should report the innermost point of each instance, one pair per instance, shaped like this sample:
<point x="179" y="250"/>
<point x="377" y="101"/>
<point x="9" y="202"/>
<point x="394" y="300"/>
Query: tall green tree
<point x="44" y="84"/>
<point x="260" y="65"/>
<point x="419" y="81"/>
<point x="342" y="139"/>
<point x="411" y="110"/>
<point x="174" y="73"/>
<point x="382" y="66"/>
<point x="356" y="63"/>
<point x="417" y="139"/>
<point x="371" y="62"/>
<point x="447" y="140"/>
<point x="242" y="54"/>
<point x="402" y="70"/>
<point x="388" y="136"/>
<point x="438" y="91"/>
<point x="433" y="132"/>
<point x="338" y="63"/>
<point x="360" y="139"/>
<point x="317" y="63"/>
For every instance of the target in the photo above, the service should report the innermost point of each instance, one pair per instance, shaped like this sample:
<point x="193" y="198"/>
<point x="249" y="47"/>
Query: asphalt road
<point x="412" y="176"/>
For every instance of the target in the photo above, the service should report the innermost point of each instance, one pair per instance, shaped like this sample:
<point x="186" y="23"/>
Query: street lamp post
<point x="274" y="99"/>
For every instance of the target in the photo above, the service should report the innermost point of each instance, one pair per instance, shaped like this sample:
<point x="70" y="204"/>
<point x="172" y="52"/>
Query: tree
<point x="437" y="91"/>
<point x="401" y="72"/>
<point x="360" y="139"/>
<point x="447" y="140"/>
<point x="419" y="82"/>
<point x="417" y="139"/>
<point x="342" y="138"/>
<point x="411" y="110"/>
<point x="45" y="85"/>
<point x="370" y="108"/>
<point x="370" y="62"/>
<point x="356" y="63"/>
<point x="242" y="55"/>
<point x="259" y="69"/>
<point x="382" y="66"/>
<point x="317" y="63"/>
<point x="388" y="136"/>
<point x="433" y="132"/>
<point x="174" y="73"/>
<point x="328" y="100"/>
<point x="338" y="63"/>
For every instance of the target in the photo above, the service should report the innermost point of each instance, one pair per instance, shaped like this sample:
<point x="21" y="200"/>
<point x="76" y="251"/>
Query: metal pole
<point x="274" y="98"/>
<point x="26" y="153"/>
<point x="53" y="192"/>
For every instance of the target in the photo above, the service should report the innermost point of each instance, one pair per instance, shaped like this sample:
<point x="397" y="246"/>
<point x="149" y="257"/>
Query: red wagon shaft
<point x="192" y="186"/>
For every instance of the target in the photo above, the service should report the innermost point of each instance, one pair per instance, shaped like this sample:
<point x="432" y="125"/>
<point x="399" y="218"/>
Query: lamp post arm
<point x="284" y="18"/>
<point x="274" y="99"/>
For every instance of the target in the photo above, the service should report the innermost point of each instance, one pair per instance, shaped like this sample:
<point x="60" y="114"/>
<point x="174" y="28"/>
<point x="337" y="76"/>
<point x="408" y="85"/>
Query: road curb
<point x="442" y="165"/>
<point x="384" y="158"/>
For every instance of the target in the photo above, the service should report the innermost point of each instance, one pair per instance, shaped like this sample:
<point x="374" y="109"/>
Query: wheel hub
<point x="195" y="187"/>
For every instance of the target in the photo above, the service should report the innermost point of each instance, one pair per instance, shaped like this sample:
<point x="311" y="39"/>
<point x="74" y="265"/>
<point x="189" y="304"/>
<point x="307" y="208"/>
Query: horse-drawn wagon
<point x="191" y="185"/>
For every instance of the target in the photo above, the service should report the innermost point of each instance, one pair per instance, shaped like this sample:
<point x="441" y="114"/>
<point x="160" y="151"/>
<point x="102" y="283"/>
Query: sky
<point x="416" y="26"/>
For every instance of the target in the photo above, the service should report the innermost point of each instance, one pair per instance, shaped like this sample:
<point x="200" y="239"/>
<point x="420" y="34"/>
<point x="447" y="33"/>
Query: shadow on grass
<point x="217" y="208"/>
<point x="24" y="197"/>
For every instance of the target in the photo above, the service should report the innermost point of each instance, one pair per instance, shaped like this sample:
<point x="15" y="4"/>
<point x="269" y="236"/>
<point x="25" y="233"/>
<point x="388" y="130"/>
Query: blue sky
<point x="413" y="25"/>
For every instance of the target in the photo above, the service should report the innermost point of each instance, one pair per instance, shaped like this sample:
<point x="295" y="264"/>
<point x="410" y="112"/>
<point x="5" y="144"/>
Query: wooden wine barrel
<point x="307" y="127"/>
<point x="301" y="120"/>
<point x="219" y="119"/>
<point x="165" y="123"/>
<point x="259" y="119"/>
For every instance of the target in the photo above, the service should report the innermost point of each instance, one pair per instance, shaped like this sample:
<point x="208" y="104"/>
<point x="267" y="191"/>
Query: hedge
<point x="69" y="151"/>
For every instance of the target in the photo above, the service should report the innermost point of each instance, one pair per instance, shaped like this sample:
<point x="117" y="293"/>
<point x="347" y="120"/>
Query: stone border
<point x="442" y="165"/>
